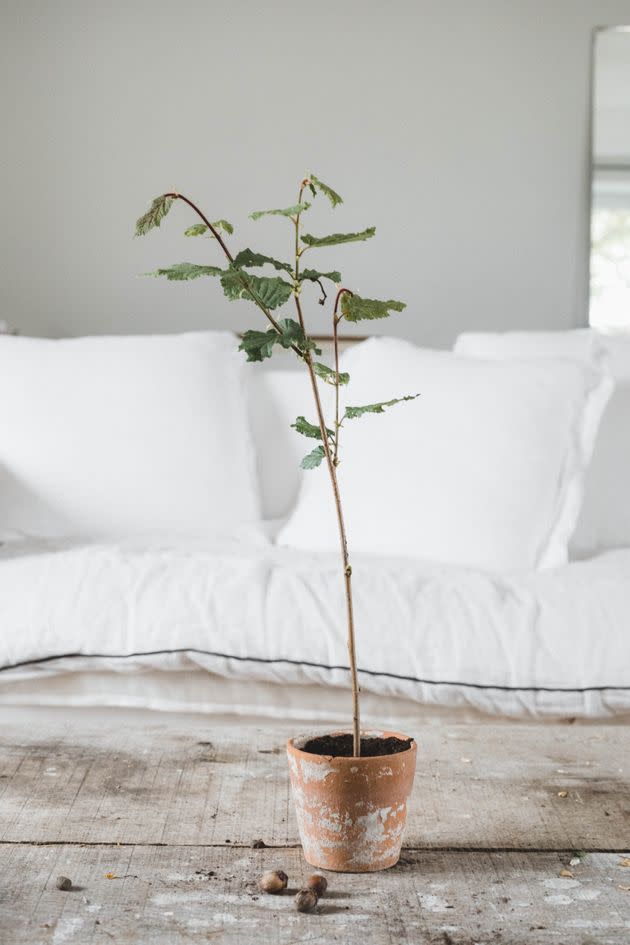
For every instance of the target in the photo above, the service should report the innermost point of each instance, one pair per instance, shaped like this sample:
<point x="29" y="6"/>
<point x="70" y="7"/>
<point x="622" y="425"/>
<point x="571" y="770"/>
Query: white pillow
<point x="277" y="397"/>
<point x="105" y="436"/>
<point x="484" y="469"/>
<point x="604" y="521"/>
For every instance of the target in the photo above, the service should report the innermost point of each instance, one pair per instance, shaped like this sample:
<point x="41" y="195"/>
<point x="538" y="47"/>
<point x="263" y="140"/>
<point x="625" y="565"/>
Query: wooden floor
<point x="153" y="817"/>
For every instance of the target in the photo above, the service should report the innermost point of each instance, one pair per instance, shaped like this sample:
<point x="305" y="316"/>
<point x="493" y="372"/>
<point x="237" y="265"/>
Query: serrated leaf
<point x="285" y="212"/>
<point x="313" y="275"/>
<point x="313" y="459"/>
<point x="311" y="430"/>
<point x="224" y="225"/>
<point x="356" y="309"/>
<point x="336" y="238"/>
<point x="198" y="229"/>
<point x="259" y="345"/>
<point x="332" y="195"/>
<point x="272" y="291"/>
<point x="328" y="375"/>
<point x="352" y="413"/>
<point x="154" y="215"/>
<point x="182" y="272"/>
<point x="248" y="257"/>
<point x="293" y="333"/>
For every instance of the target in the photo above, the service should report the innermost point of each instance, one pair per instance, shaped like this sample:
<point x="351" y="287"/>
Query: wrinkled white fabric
<point x="551" y="642"/>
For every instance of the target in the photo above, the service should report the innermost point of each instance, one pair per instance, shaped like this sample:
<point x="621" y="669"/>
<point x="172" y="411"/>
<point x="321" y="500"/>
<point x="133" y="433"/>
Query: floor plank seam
<point x="568" y="850"/>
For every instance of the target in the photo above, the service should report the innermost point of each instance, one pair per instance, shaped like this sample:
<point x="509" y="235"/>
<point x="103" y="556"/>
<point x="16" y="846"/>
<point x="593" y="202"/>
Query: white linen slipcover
<point x="555" y="642"/>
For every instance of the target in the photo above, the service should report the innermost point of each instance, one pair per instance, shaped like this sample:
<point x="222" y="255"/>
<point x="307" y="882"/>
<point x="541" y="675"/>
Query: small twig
<point x="212" y="228"/>
<point x="247" y="285"/>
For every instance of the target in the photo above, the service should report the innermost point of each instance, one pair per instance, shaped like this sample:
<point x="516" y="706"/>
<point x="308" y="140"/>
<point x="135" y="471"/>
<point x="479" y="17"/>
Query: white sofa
<point x="243" y="625"/>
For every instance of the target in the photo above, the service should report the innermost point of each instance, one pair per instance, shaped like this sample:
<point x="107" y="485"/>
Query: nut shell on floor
<point x="273" y="882"/>
<point x="306" y="900"/>
<point x="317" y="882"/>
<point x="62" y="882"/>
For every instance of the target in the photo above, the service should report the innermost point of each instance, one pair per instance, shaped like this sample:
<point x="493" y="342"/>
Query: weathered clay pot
<point x="351" y="812"/>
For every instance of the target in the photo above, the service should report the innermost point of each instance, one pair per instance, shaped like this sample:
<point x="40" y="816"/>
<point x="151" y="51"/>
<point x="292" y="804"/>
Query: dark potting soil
<point x="340" y="746"/>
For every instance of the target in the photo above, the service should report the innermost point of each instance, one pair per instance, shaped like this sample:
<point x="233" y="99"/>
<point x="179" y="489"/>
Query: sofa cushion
<point x="605" y="517"/>
<point x="112" y="436"/>
<point x="548" y="642"/>
<point x="484" y="469"/>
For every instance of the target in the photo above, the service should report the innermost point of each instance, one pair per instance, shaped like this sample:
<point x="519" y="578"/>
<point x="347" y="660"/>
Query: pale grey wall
<point x="459" y="128"/>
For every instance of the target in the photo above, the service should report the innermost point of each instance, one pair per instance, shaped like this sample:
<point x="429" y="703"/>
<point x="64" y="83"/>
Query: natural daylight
<point x="314" y="451"/>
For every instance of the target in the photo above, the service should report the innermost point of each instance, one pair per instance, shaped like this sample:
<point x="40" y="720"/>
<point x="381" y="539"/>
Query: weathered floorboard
<point x="146" y="778"/>
<point x="164" y="896"/>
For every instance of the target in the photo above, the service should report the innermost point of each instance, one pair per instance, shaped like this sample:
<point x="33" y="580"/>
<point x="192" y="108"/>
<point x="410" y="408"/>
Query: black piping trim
<point x="260" y="659"/>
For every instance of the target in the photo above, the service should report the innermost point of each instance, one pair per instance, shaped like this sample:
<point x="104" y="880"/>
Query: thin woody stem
<point x="257" y="301"/>
<point x="332" y="472"/>
<point x="210" y="226"/>
<point x="336" y="320"/>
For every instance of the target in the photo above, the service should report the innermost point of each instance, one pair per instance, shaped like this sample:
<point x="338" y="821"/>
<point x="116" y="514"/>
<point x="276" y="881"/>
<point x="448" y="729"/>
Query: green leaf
<point x="293" y="333"/>
<point x="335" y="238"/>
<point x="259" y="345"/>
<point x="248" y="257"/>
<point x="182" y="272"/>
<point x="328" y="375"/>
<point x="223" y="225"/>
<point x="332" y="195"/>
<point x="272" y="291"/>
<point x="355" y="309"/>
<point x="198" y="229"/>
<point x="309" y="429"/>
<point x="353" y="412"/>
<point x="286" y="212"/>
<point x="313" y="275"/>
<point x="154" y="215"/>
<point x="312" y="460"/>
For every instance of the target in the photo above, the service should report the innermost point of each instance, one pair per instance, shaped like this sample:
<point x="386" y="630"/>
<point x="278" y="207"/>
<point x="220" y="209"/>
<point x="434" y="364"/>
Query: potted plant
<point x="350" y="789"/>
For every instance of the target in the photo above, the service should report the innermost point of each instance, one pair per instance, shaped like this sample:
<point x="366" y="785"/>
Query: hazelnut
<point x="273" y="881"/>
<point x="317" y="882"/>
<point x="306" y="900"/>
<point x="64" y="883"/>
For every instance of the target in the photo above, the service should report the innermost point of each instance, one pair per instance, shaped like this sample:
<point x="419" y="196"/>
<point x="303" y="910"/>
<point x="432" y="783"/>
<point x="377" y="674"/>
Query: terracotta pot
<point x="351" y="812"/>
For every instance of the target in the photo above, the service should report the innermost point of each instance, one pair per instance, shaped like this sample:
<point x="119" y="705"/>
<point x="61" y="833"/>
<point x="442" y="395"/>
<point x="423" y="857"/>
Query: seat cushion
<point x="546" y="643"/>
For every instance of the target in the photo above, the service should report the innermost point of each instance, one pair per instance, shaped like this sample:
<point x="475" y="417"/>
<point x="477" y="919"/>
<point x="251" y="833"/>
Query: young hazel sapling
<point x="270" y="293"/>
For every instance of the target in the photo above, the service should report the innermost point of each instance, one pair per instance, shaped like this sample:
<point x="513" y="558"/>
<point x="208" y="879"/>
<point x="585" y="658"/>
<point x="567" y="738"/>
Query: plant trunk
<point x="345" y="558"/>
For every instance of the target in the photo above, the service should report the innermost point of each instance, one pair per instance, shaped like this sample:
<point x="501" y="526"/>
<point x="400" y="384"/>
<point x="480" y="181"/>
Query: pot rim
<point x="362" y="759"/>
